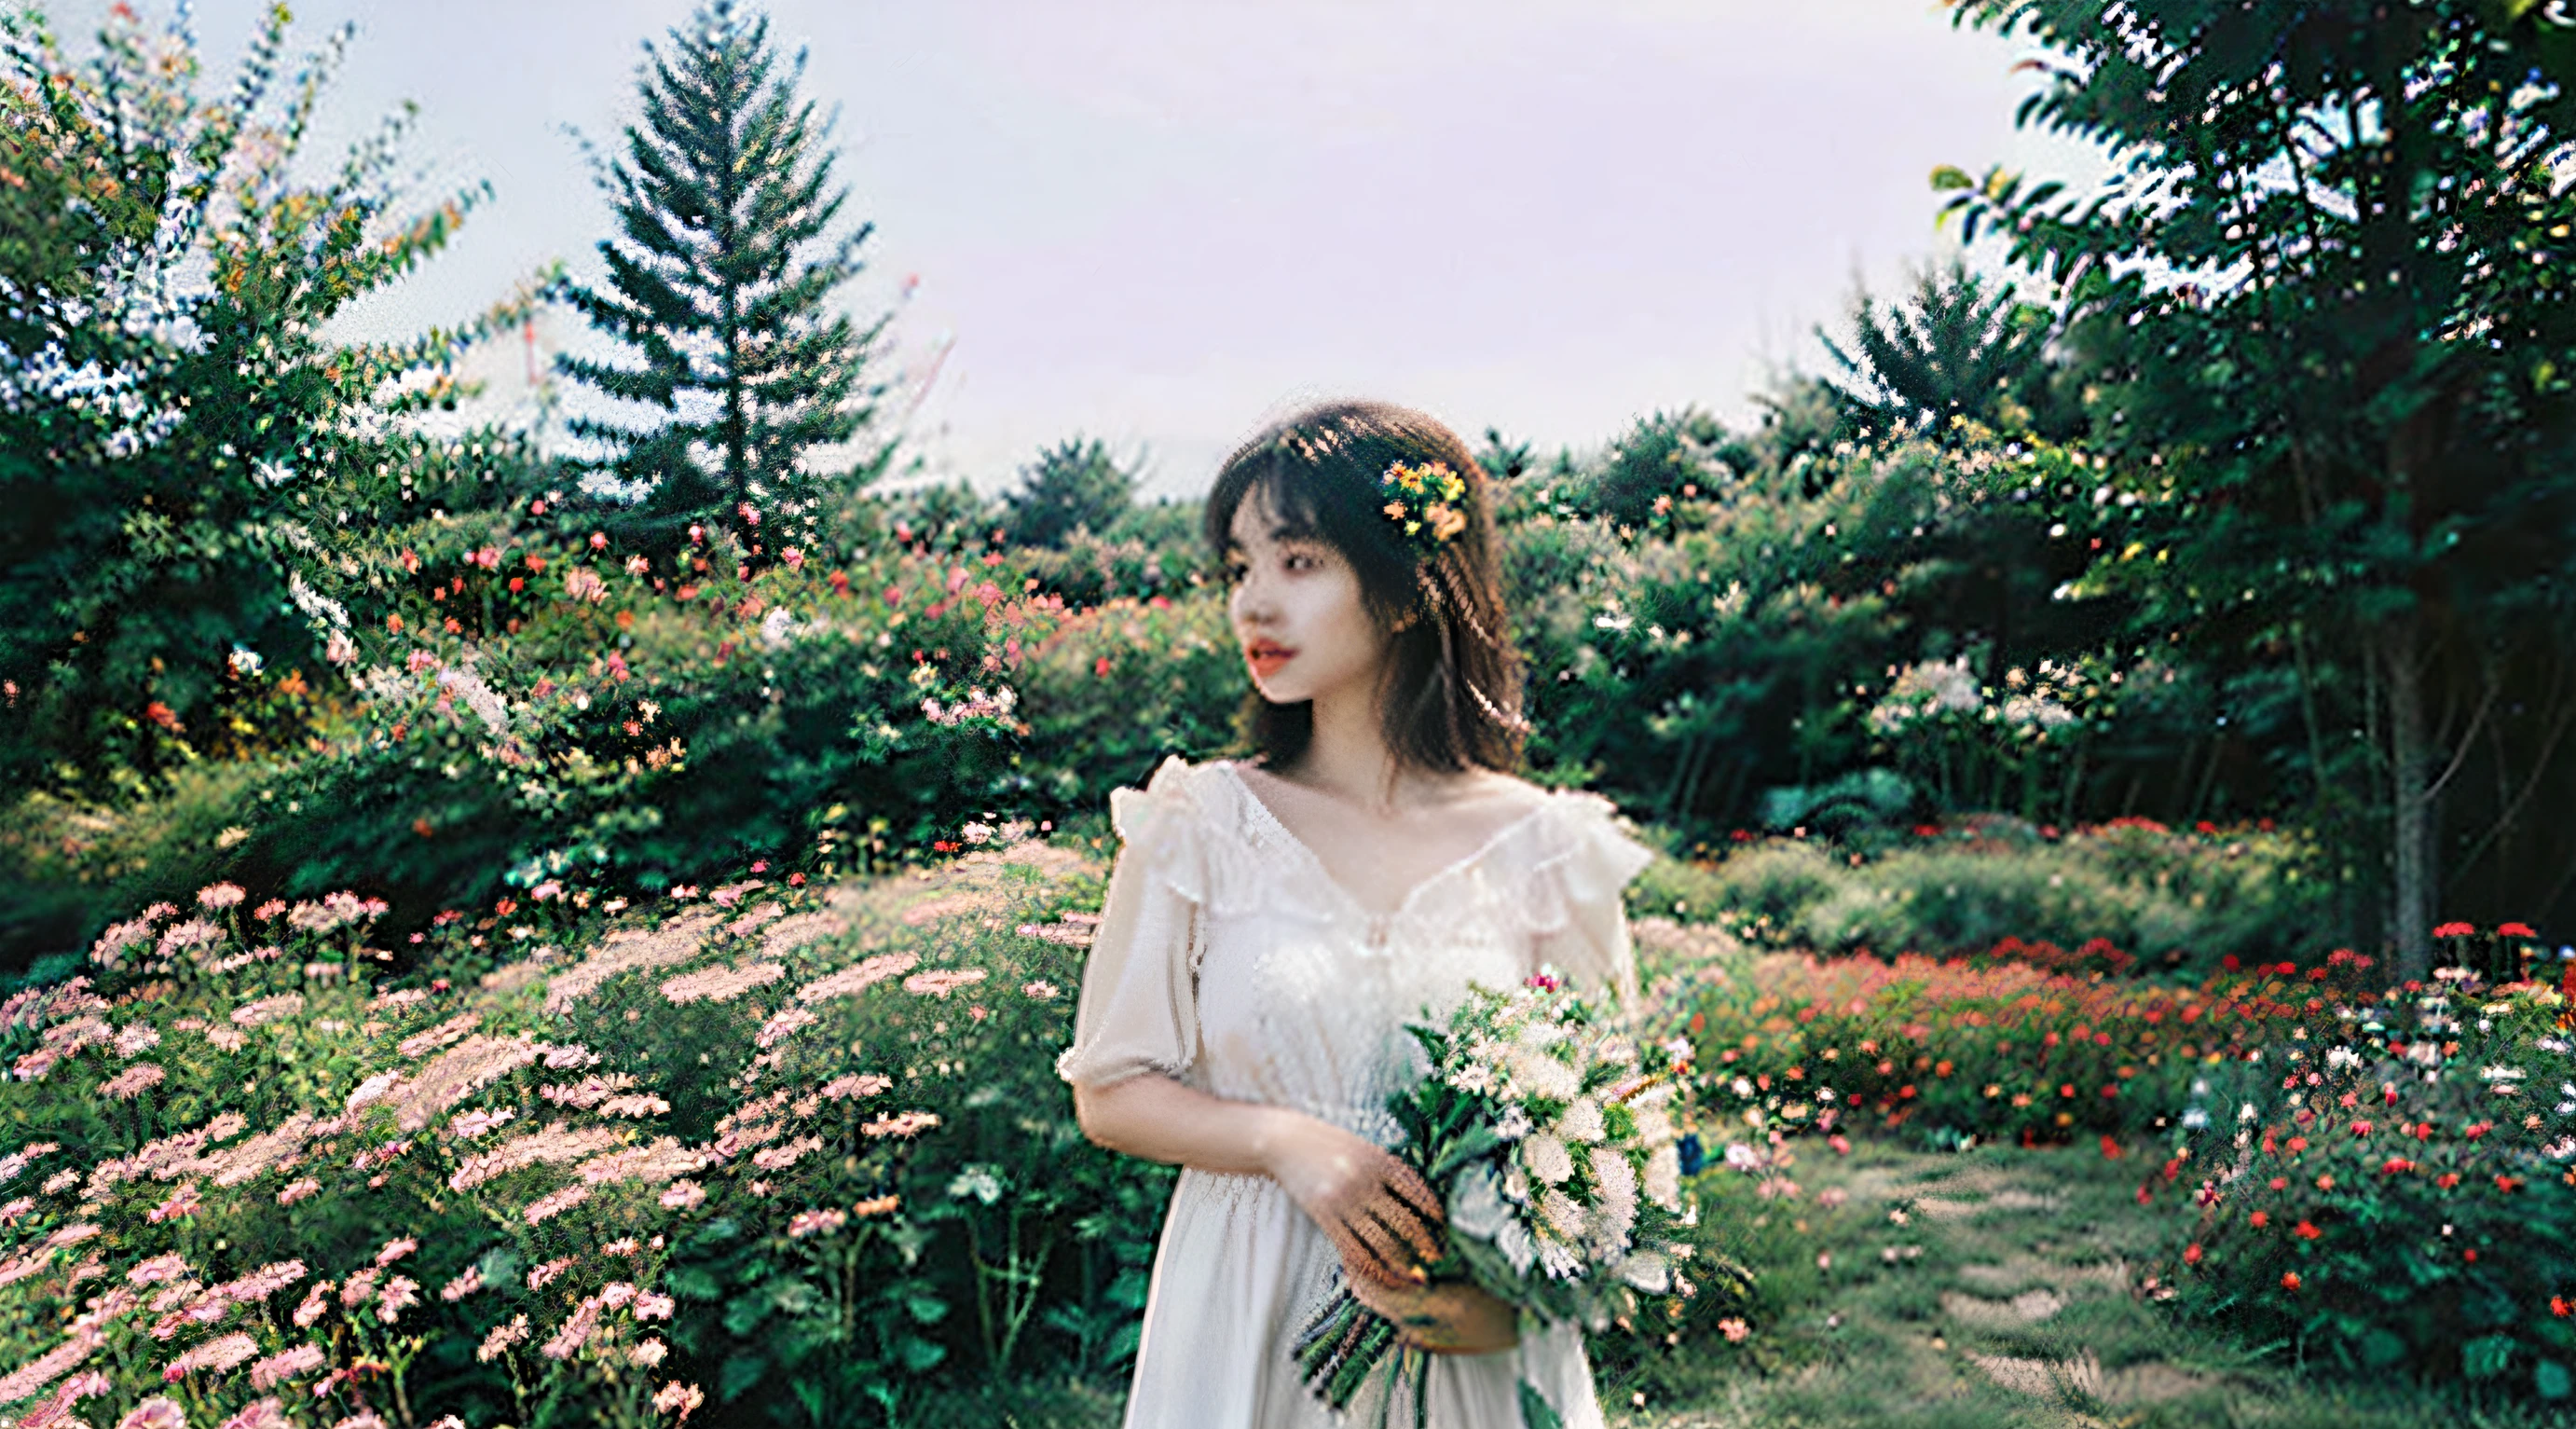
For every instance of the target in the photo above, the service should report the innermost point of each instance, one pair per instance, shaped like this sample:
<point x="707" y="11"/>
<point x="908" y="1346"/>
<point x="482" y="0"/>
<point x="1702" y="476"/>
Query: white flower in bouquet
<point x="1616" y="1182"/>
<point x="1582" y="1121"/>
<point x="1546" y="1158"/>
<point x="1663" y="1180"/>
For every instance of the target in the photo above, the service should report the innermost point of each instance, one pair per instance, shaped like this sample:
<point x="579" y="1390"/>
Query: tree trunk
<point x="2411" y="821"/>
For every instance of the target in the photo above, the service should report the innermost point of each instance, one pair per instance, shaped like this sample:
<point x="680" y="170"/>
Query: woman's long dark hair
<point x="1452" y="684"/>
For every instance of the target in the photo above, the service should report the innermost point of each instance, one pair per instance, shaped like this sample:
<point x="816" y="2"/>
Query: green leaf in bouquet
<point x="1478" y="1141"/>
<point x="1536" y="1412"/>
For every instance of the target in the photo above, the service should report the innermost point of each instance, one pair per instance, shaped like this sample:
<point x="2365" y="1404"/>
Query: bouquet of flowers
<point x="1548" y="1134"/>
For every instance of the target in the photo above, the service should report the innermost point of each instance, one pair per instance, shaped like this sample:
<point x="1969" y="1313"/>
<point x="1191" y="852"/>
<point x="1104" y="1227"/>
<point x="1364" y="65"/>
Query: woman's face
<point x="1296" y="611"/>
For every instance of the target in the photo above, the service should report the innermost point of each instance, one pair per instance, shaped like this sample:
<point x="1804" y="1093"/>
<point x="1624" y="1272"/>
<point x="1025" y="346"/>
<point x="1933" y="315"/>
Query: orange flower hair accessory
<point x="1425" y="503"/>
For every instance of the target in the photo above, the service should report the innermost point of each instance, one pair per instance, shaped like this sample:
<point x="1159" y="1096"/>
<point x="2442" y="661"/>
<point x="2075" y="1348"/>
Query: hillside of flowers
<point x="766" y="1150"/>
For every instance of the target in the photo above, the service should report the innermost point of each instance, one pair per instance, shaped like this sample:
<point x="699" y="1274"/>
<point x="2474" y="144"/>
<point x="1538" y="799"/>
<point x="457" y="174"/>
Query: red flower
<point x="2306" y="1230"/>
<point x="2290" y="1280"/>
<point x="2516" y="930"/>
<point x="2455" y="930"/>
<point x="2508" y="1184"/>
<point x="2447" y="1180"/>
<point x="2397" y="1163"/>
<point x="2191" y="1254"/>
<point x="2260" y="1219"/>
<point x="2560" y="1306"/>
<point x="2470" y="1256"/>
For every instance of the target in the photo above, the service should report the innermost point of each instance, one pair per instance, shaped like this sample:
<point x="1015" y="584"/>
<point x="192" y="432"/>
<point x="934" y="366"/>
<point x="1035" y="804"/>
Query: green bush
<point x="2185" y="902"/>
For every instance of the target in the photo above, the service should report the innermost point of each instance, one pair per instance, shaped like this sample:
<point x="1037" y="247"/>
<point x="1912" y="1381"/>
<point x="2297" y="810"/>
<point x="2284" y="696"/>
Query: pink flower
<point x="395" y="1250"/>
<point x="672" y="1398"/>
<point x="463" y="1285"/>
<point x="650" y="1306"/>
<point x="285" y="1365"/>
<point x="315" y="1302"/>
<point x="220" y="895"/>
<point x="182" y="1202"/>
<point x="906" y="1124"/>
<point x="538" y="1276"/>
<point x="940" y="983"/>
<point x="298" y="1190"/>
<point x="154" y="1413"/>
<point x="401" y="1293"/>
<point x="1735" y="1330"/>
<point x="265" y="1414"/>
<point x="683" y="1195"/>
<point x="822" y="1222"/>
<point x="502" y="1338"/>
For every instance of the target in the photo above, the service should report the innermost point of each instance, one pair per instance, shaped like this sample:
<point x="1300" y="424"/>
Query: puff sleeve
<point x="1590" y="872"/>
<point x="1139" y="1005"/>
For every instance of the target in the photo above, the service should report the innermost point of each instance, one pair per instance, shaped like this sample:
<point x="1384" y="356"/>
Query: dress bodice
<point x="1282" y="988"/>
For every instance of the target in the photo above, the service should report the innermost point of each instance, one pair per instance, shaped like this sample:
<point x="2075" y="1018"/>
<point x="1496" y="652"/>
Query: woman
<point x="1271" y="924"/>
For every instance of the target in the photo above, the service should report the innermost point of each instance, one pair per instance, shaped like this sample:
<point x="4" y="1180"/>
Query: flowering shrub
<point x="2001" y="1051"/>
<point x="756" y="1152"/>
<point x="2392" y="1187"/>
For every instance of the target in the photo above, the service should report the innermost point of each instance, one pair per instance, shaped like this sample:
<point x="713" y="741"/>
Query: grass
<point x="2020" y="1303"/>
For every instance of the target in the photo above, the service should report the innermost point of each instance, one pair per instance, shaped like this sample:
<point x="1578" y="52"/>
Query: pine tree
<point x="1958" y="345"/>
<point x="1072" y="484"/>
<point x="719" y="278"/>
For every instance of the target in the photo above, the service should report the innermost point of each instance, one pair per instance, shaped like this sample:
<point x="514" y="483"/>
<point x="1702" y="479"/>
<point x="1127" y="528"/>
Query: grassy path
<point x="2010" y="1294"/>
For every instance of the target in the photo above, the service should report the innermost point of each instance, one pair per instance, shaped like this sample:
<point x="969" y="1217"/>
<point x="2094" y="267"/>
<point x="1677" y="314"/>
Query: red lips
<point x="1266" y="656"/>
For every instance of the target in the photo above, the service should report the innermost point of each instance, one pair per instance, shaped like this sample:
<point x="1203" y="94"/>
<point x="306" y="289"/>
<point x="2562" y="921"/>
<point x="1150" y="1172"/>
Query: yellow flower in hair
<point x="1430" y="525"/>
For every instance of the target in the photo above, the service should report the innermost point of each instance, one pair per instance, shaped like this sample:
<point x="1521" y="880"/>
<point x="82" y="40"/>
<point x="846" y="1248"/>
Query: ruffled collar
<point x="1519" y="831"/>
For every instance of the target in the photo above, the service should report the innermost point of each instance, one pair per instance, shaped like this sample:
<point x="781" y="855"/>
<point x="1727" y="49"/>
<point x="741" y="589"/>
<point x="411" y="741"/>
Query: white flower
<point x="1563" y="1213"/>
<point x="1647" y="1270"/>
<point x="1654" y="1128"/>
<point x="1476" y="1205"/>
<point x="1516" y="1188"/>
<point x="1617" y="1212"/>
<point x="1742" y="1157"/>
<point x="1664" y="1177"/>
<point x="1540" y="1075"/>
<point x="1516" y="1244"/>
<point x="1582" y="1121"/>
<point x="1547" y="1159"/>
<point x="1513" y="1124"/>
<point x="1558" y="1259"/>
<point x="1473" y="1078"/>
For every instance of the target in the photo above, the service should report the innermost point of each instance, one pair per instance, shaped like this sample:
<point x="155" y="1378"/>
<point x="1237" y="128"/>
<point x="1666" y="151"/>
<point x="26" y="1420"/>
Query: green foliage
<point x="191" y="467"/>
<point x="2352" y="211"/>
<point x="1073" y="485"/>
<point x="720" y="278"/>
<point x="2174" y="900"/>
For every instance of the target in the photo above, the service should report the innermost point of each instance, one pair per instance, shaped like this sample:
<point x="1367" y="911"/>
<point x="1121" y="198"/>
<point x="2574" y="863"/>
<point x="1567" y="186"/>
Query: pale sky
<point x="1160" y="222"/>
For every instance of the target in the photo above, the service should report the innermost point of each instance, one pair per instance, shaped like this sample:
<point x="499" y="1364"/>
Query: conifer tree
<point x="1075" y="483"/>
<point x="720" y="279"/>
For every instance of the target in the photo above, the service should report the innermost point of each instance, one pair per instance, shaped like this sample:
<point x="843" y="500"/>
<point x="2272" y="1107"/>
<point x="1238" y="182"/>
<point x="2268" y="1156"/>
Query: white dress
<point x="1228" y="958"/>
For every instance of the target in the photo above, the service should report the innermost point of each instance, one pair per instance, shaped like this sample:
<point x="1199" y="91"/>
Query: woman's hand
<point x="1376" y="1211"/>
<point x="1450" y="1318"/>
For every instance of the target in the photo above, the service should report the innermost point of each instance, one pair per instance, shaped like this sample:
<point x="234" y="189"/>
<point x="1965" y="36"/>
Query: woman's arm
<point x="1376" y="1210"/>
